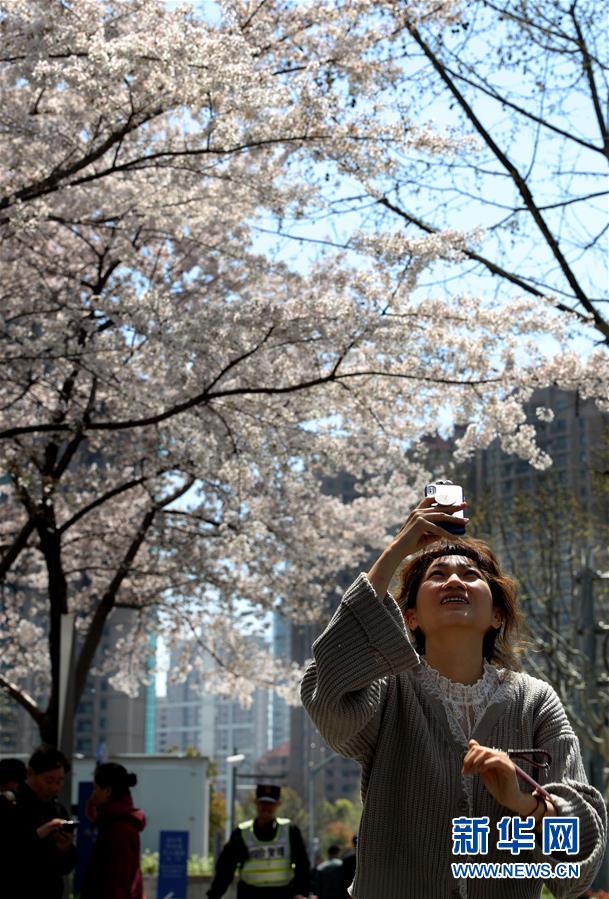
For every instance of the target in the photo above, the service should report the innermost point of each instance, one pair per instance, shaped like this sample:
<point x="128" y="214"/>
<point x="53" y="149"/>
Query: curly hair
<point x="500" y="646"/>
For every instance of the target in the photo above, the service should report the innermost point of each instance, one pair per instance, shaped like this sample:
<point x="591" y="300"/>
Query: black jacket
<point x="235" y="853"/>
<point x="348" y="871"/>
<point x="8" y="819"/>
<point x="37" y="865"/>
<point x="327" y="879"/>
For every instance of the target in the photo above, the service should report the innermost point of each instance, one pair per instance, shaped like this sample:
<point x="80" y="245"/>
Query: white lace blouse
<point x="465" y="704"/>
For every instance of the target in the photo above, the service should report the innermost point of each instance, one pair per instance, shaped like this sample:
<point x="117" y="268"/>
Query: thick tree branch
<point x="589" y="73"/>
<point x="108" y="600"/>
<point x="58" y="175"/>
<point x="18" y="545"/>
<point x="23" y="698"/>
<point x="517" y="179"/>
<point x="204" y="398"/>
<point x="483" y="260"/>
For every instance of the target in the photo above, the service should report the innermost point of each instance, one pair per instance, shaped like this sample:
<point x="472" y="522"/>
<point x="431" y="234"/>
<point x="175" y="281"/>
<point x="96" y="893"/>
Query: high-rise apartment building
<point x="19" y="734"/>
<point x="190" y="718"/>
<point x="241" y="731"/>
<point x="185" y="719"/>
<point x="109" y="722"/>
<point x="280" y="710"/>
<point x="577" y="439"/>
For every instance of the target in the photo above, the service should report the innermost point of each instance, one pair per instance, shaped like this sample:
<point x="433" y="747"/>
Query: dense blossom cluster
<point x="177" y="405"/>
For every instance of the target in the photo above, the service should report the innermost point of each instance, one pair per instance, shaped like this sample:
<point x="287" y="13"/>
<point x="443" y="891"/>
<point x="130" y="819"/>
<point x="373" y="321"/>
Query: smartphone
<point x="69" y="826"/>
<point x="446" y="493"/>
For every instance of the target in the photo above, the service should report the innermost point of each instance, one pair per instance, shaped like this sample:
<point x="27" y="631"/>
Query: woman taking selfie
<point x="113" y="871"/>
<point x="430" y="720"/>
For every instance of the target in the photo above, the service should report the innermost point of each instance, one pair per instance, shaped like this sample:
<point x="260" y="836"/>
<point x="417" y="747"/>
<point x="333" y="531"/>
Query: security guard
<point x="268" y="852"/>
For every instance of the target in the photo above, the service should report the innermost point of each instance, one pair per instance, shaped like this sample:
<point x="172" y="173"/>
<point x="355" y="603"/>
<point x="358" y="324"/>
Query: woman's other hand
<point x="498" y="774"/>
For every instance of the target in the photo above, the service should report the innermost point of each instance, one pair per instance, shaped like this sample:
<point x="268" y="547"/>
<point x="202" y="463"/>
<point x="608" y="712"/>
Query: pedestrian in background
<point x="268" y="852"/>
<point x="43" y="836"/>
<point x="12" y="774"/>
<point x="327" y="881"/>
<point x="113" y="870"/>
<point x="348" y="869"/>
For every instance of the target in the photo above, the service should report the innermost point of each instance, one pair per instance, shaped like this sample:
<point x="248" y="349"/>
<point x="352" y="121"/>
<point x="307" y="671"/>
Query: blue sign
<point x="85" y="832"/>
<point x="173" y="860"/>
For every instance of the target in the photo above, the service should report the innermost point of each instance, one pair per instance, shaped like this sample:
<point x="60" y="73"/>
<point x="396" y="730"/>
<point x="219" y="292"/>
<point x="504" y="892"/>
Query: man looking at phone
<point x="43" y="839"/>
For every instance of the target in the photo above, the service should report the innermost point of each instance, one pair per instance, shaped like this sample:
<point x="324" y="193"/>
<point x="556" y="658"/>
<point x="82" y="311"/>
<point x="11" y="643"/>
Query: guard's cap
<point x="268" y="792"/>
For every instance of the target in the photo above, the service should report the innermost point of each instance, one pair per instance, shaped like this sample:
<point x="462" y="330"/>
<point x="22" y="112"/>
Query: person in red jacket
<point x="113" y="870"/>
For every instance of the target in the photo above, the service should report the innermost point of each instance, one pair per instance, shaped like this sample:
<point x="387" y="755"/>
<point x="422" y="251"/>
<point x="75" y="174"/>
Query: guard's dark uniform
<point x="236" y="855"/>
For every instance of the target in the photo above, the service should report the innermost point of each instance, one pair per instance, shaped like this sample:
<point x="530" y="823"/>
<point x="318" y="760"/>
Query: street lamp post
<point x="66" y="699"/>
<point x="231" y="778"/>
<point x="313" y="772"/>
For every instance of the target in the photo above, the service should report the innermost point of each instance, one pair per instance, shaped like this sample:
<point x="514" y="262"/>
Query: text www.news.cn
<point x="506" y="870"/>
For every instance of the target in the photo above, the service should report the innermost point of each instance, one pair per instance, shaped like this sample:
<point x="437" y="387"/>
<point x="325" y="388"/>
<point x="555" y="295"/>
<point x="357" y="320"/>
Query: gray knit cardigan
<point x="364" y="695"/>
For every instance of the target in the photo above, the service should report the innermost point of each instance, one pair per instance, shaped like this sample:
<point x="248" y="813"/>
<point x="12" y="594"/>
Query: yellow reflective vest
<point x="269" y="863"/>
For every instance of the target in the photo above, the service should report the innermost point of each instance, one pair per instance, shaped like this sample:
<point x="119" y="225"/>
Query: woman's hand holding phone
<point x="424" y="525"/>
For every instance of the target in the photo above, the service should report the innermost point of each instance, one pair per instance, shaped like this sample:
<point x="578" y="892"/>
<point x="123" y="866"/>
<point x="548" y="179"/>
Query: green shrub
<point x="197" y="864"/>
<point x="150" y="862"/>
<point x="200" y="864"/>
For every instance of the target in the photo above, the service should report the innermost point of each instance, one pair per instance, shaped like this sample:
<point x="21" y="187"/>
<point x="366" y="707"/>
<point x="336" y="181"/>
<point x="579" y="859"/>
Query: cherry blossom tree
<point x="172" y="389"/>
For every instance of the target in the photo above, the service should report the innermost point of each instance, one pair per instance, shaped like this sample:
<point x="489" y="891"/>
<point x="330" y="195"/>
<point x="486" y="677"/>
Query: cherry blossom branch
<point x="487" y="263"/>
<point x="505" y="101"/>
<point x="196" y="516"/>
<point x="516" y="177"/>
<point x="96" y="503"/>
<point x="205" y="398"/>
<point x="52" y="181"/>
<point x="528" y="22"/>
<point x="238" y="360"/>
